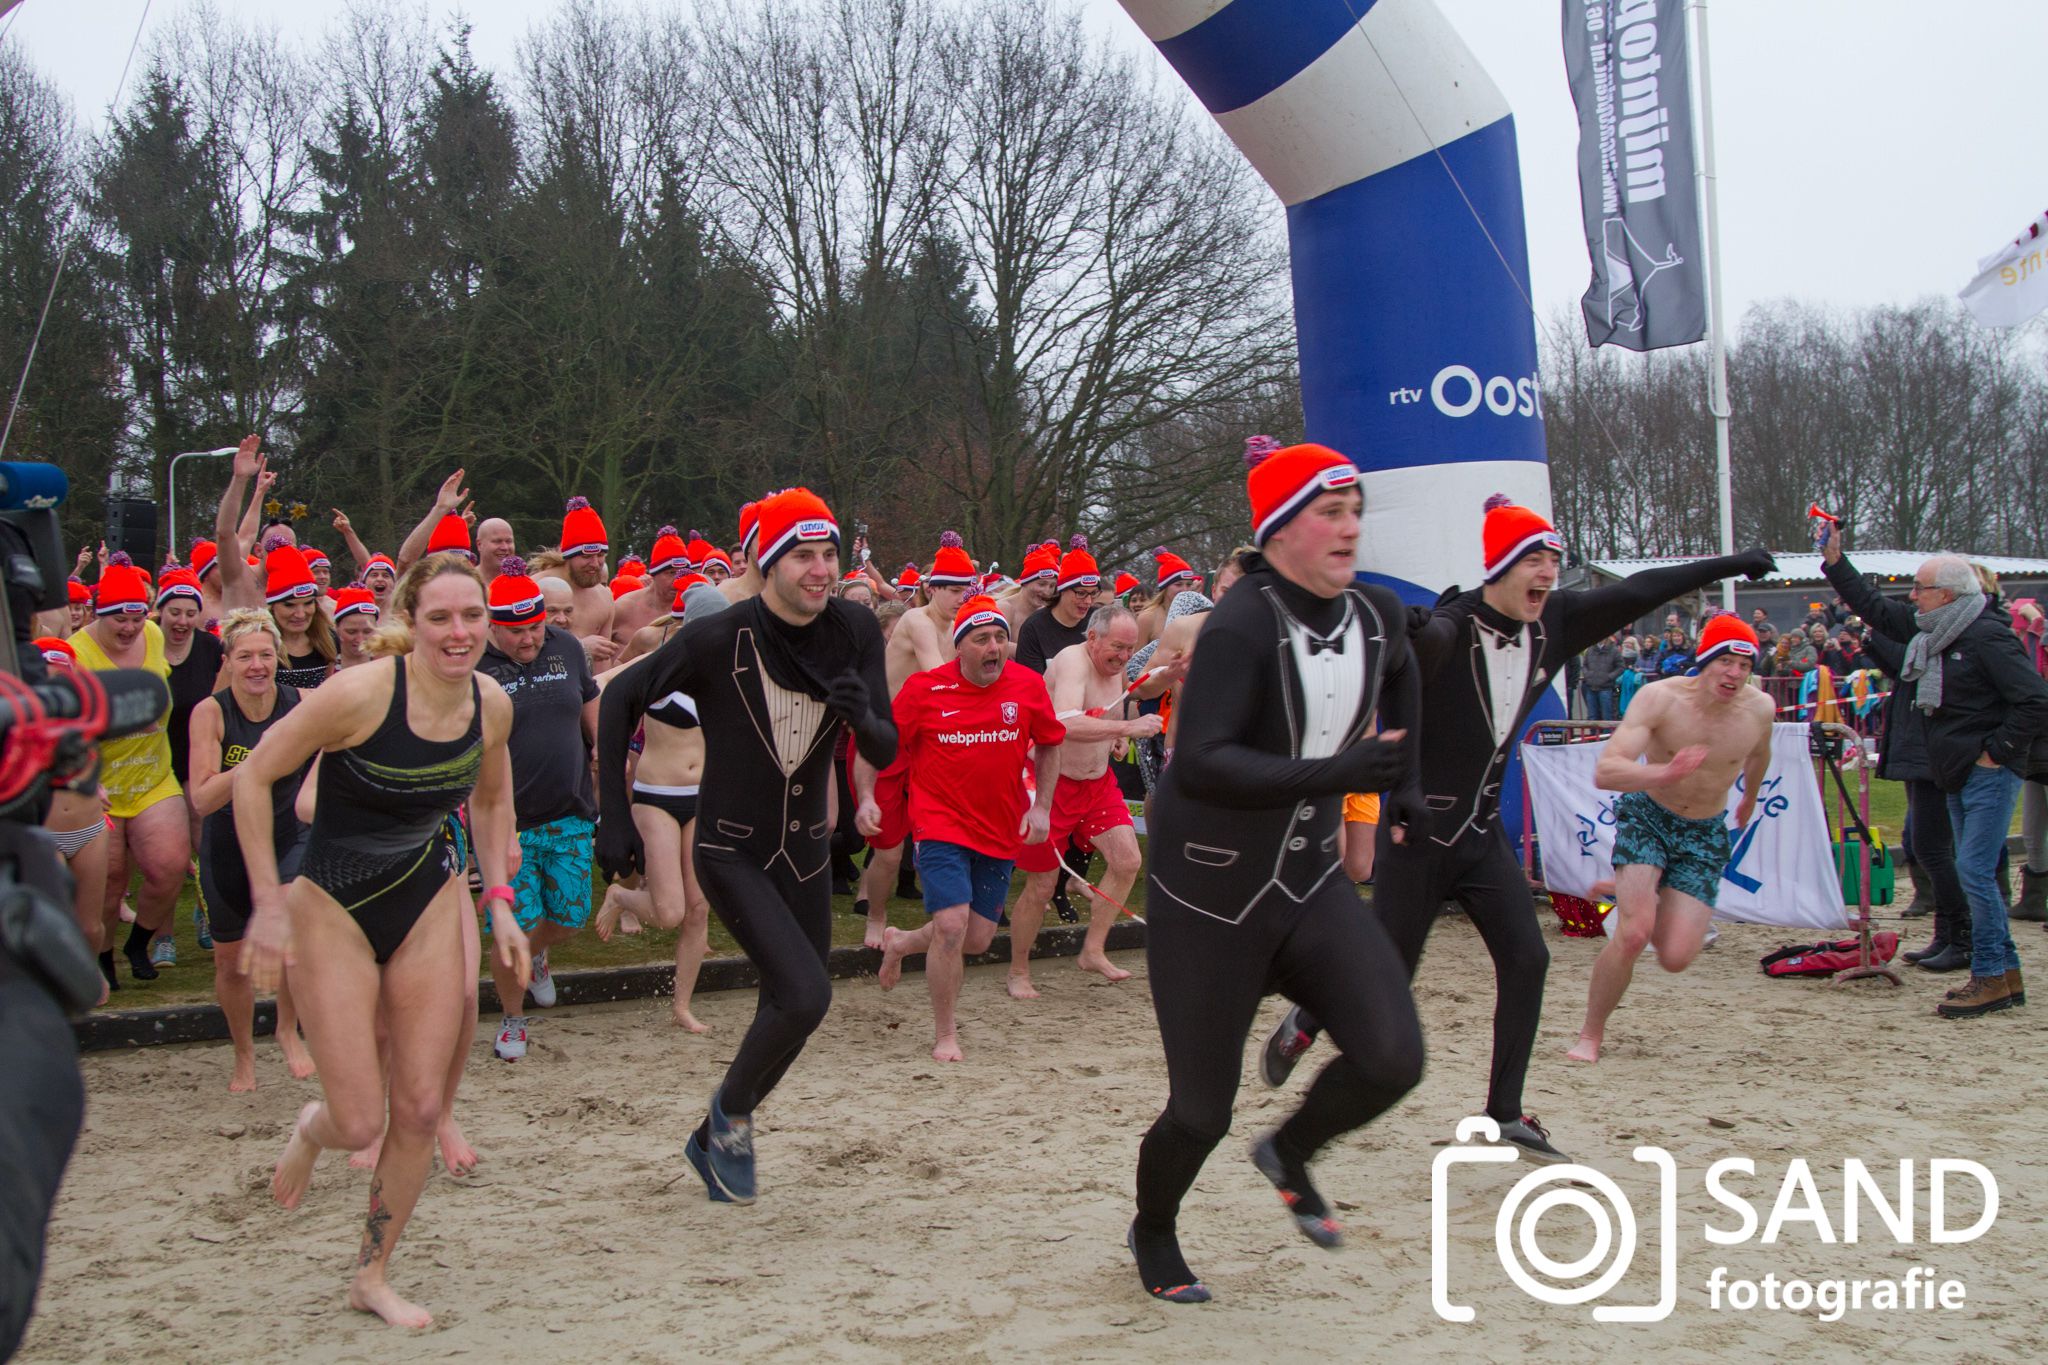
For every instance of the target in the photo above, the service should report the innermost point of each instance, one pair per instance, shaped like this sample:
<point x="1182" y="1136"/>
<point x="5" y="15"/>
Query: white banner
<point x="2012" y="282"/>
<point x="1781" y="870"/>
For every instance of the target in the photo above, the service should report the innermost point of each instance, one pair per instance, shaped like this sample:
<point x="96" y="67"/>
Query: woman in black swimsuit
<point x="225" y="729"/>
<point x="375" y="914"/>
<point x="294" y="597"/>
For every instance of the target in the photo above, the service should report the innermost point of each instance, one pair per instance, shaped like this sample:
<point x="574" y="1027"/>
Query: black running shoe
<point x="1284" y="1048"/>
<point x="1311" y="1215"/>
<point x="1532" y="1137"/>
<point x="1194" y="1291"/>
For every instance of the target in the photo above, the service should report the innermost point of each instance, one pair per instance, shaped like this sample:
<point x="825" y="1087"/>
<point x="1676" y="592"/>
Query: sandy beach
<point x="915" y="1211"/>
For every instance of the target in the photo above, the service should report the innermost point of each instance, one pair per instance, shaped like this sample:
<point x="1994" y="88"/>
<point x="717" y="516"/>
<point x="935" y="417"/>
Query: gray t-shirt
<point x="550" y="760"/>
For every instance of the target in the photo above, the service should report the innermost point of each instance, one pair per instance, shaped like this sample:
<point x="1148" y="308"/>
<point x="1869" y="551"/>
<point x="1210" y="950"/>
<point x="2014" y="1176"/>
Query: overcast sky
<point x="1870" y="150"/>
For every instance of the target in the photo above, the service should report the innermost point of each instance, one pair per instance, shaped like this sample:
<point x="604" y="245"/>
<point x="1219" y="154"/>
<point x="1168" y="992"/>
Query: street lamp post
<point x="171" y="483"/>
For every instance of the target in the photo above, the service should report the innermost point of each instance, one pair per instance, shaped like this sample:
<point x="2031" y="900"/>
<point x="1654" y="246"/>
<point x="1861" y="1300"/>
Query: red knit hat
<point x="178" y="581"/>
<point x="286" y="576"/>
<point x="315" y="559"/>
<point x="633" y="566"/>
<point x="1726" y="634"/>
<point x="516" y="600"/>
<point x="123" y="589"/>
<point x="380" y="560"/>
<point x="908" y="580"/>
<point x="1077" y="567"/>
<point x="975" y="613"/>
<point x="716" y="556"/>
<point x="750" y="525"/>
<point x="57" y="651"/>
<point x="951" y="568"/>
<point x="1511" y="532"/>
<point x="626" y="583"/>
<point x="669" y="552"/>
<point x="353" y="598"/>
<point x="582" y="530"/>
<point x="789" y="517"/>
<point x="1124" y="583"/>
<point x="203" y="557"/>
<point x="77" y="590"/>
<point x="1285" y="479"/>
<point x="1172" y="568"/>
<point x="451" y="537"/>
<point x="700" y="551"/>
<point x="685" y="582"/>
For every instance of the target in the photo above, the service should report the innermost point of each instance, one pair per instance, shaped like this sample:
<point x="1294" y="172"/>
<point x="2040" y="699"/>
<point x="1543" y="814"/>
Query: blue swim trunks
<point x="1691" y="852"/>
<point x="954" y="874"/>
<point x="554" y="874"/>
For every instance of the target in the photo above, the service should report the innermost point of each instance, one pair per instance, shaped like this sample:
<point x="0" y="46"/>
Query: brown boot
<point x="2016" y="987"/>
<point x="1984" y="995"/>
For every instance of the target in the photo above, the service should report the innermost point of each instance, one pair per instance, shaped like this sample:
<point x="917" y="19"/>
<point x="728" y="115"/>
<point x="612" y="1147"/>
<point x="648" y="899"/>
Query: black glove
<point x="619" y="850"/>
<point x="1419" y="619"/>
<point x="1405" y="813"/>
<point x="1756" y="564"/>
<point x="847" y="698"/>
<point x="1378" y="765"/>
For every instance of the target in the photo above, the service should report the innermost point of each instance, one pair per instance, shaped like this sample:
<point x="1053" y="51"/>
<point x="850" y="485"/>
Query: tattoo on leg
<point x="373" y="1228"/>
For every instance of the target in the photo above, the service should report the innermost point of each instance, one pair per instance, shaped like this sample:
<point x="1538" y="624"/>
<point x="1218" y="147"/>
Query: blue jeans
<point x="1980" y="814"/>
<point x="1600" y="704"/>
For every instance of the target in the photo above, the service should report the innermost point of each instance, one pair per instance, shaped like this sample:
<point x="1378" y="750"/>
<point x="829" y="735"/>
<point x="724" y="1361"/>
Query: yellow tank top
<point x="133" y="769"/>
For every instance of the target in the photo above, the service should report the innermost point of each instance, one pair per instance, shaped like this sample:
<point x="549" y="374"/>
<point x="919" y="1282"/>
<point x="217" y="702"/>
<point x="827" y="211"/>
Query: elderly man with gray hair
<point x="1984" y="707"/>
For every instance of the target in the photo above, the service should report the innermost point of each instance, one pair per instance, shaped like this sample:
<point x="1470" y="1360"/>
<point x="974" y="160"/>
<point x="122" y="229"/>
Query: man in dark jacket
<point x="1602" y="676"/>
<point x="1985" y="706"/>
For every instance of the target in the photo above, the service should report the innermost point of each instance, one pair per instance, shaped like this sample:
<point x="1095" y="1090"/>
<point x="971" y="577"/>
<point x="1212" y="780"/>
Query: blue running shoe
<point x="700" y="1162"/>
<point x="731" y="1154"/>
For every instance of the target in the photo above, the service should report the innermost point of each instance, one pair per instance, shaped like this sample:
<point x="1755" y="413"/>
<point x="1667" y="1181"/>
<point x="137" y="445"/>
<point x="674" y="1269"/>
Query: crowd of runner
<point x="369" y="771"/>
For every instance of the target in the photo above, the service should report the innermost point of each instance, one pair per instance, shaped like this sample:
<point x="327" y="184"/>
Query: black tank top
<point x="303" y="671"/>
<point x="390" y="793"/>
<point x="238" y="735"/>
<point x="191" y="683"/>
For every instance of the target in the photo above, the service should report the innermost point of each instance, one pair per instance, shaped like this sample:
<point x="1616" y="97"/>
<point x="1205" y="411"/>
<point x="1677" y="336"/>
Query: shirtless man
<point x="494" y="541"/>
<point x="1671" y="835"/>
<point x="561" y="600"/>
<point x="1087" y="686"/>
<point x="922" y="640"/>
<point x="1164" y="667"/>
<point x="584" y="547"/>
<point x="649" y="604"/>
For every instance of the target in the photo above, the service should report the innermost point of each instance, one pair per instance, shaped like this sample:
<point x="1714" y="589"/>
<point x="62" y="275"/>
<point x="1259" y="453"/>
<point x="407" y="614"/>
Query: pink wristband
<point x="499" y="893"/>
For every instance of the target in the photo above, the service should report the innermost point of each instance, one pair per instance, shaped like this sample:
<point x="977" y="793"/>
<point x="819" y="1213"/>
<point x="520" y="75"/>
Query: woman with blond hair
<point x="374" y="918"/>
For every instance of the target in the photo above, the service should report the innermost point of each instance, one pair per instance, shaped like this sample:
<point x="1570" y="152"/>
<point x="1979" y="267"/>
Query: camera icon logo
<point x="1515" y="1229"/>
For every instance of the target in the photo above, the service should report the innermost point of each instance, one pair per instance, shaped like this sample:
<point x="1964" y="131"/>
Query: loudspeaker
<point x="131" y="526"/>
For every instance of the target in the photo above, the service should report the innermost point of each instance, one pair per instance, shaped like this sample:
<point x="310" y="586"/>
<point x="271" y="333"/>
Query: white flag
<point x="1780" y="870"/>
<point x="2012" y="283"/>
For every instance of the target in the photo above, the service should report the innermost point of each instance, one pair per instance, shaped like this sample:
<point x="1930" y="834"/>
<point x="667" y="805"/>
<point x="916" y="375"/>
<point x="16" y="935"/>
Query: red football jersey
<point x="966" y="747"/>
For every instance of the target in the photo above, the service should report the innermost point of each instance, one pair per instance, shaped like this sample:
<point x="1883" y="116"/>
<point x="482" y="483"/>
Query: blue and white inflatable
<point x="1395" y="156"/>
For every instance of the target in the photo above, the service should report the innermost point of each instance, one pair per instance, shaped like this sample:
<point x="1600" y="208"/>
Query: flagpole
<point x="1717" y="345"/>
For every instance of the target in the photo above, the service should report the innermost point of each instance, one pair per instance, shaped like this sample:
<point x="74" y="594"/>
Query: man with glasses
<point x="1053" y="628"/>
<point x="1985" y="707"/>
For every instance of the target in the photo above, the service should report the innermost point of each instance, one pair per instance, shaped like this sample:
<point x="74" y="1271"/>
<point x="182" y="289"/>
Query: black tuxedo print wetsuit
<point x="761" y="688"/>
<point x="1247" y="895"/>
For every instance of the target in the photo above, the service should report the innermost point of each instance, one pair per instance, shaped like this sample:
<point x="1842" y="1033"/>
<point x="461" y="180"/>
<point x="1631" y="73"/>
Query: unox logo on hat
<point x="817" y="528"/>
<point x="1338" y="476"/>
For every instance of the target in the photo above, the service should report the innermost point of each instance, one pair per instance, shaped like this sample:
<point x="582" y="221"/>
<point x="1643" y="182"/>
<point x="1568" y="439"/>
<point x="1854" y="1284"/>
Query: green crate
<point x="1849" y="864"/>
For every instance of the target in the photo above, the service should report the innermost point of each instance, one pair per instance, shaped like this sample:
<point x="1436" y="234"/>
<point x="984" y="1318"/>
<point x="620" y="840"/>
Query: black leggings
<point x="1208" y="977"/>
<point x="1934" y="848"/>
<point x="784" y="926"/>
<point x="1481" y="874"/>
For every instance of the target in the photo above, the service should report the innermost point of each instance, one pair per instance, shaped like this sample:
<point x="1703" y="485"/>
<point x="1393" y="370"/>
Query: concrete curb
<point x="104" y="1030"/>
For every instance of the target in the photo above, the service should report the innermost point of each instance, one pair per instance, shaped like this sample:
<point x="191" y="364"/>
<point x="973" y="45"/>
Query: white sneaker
<point x="511" y="1044"/>
<point x="541" y="991"/>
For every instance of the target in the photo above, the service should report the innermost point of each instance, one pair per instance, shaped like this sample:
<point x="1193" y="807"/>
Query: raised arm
<point x="447" y="498"/>
<point x="356" y="549"/>
<point x="1888" y="618"/>
<point x="1592" y="615"/>
<point x="230" y="545"/>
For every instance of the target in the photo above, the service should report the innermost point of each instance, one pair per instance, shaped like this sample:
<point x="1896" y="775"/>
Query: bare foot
<point x="295" y="1167"/>
<point x="629" y="923"/>
<point x="680" y="1014"/>
<point x="366" y="1160"/>
<point x="456" y="1154"/>
<point x="1100" y="963"/>
<point x="611" y="917"/>
<point x="1585" y="1050"/>
<point x="876" y="935"/>
<point x="892" y="958"/>
<point x="380" y="1298"/>
<point x="948" y="1050"/>
<point x="244" y="1079"/>
<point x="1020" y="988"/>
<point x="296" y="1057"/>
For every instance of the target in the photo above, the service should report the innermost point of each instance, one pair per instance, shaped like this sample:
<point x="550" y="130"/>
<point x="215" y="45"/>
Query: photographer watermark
<point x="1616" y="1235"/>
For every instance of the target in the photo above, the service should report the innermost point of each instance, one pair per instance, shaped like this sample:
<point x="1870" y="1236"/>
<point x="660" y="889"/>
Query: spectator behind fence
<point x="1602" y="673"/>
<point x="1985" y="708"/>
<point x="1843" y="656"/>
<point x="1674" y="656"/>
<point x="1630" y="678"/>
